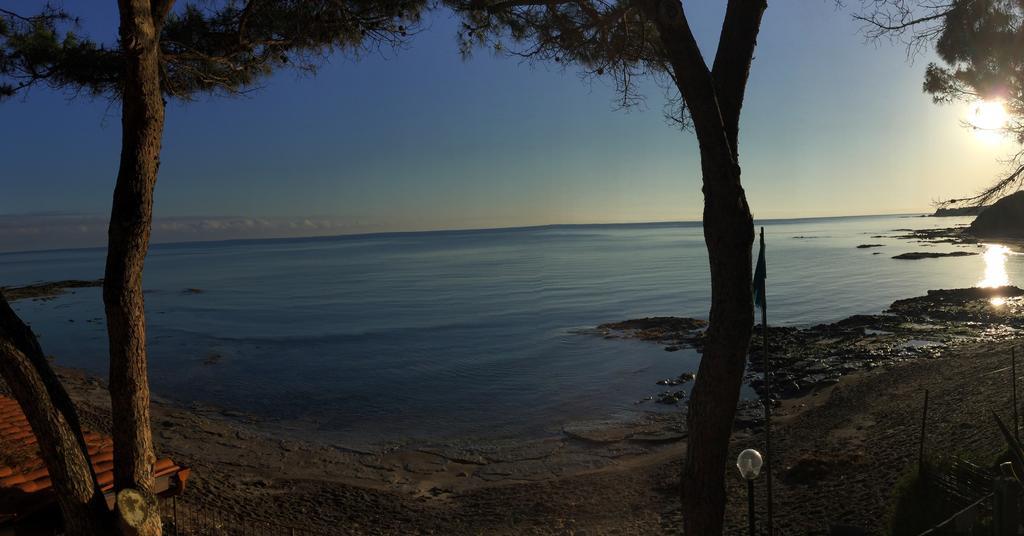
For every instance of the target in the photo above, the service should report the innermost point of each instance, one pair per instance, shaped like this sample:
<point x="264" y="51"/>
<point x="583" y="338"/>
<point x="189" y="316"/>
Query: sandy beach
<point x="839" y="450"/>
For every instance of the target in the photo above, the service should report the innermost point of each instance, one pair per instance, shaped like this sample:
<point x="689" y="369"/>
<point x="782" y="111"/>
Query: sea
<point x="383" y="338"/>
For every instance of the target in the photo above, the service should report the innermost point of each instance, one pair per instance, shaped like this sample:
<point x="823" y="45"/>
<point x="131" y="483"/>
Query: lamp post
<point x="749" y="463"/>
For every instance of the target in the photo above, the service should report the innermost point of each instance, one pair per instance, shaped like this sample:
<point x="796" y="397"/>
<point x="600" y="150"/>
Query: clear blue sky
<point x="421" y="139"/>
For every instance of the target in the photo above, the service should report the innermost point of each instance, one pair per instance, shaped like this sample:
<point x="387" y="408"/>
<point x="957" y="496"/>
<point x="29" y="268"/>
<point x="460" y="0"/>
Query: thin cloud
<point x="24" y="232"/>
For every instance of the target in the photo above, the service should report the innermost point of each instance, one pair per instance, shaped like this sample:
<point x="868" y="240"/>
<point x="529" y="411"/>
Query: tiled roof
<point x="25" y="485"/>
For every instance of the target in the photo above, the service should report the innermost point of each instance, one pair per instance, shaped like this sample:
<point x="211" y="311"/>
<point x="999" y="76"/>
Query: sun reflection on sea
<point x="995" y="266"/>
<point x="995" y="270"/>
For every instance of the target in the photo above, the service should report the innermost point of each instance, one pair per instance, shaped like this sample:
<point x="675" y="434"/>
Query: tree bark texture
<point x="142" y="123"/>
<point x="54" y="422"/>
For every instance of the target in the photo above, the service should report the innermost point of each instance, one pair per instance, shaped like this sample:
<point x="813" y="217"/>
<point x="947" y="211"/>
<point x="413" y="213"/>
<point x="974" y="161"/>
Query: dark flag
<point x="760" y="273"/>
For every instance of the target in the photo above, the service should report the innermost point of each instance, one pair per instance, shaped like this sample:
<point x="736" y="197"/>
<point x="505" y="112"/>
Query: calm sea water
<point x="467" y="333"/>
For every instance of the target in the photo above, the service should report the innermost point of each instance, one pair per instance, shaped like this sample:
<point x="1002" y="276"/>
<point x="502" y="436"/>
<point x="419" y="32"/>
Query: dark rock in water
<point x="1005" y="218"/>
<point x="671" y="348"/>
<point x="932" y="255"/>
<point x="670" y="330"/>
<point x="687" y="376"/>
<point x="192" y="291"/>
<point x="670" y="397"/>
<point x="948" y="235"/>
<point x="666" y="323"/>
<point x="865" y="246"/>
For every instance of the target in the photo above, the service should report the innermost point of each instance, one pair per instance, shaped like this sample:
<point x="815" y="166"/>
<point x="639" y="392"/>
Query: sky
<point x="421" y="139"/>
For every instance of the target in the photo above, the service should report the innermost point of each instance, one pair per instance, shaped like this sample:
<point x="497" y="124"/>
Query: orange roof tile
<point x="25" y="484"/>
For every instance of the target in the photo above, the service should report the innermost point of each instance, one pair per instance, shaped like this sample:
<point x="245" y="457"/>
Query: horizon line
<point x="460" y="230"/>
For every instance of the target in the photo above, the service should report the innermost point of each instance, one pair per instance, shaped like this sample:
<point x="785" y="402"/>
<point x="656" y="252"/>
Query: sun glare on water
<point x="995" y="266"/>
<point x="989" y="118"/>
<point x="995" y="270"/>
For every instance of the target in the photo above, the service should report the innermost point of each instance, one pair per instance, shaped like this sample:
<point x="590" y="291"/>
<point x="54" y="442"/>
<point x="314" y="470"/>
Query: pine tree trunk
<point x="729" y="235"/>
<point x="54" y="422"/>
<point x="142" y="122"/>
<point x="714" y="99"/>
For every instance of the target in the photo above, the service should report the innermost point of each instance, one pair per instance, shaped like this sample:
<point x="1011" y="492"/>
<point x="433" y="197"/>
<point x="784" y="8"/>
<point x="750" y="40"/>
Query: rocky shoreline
<point x="803" y="359"/>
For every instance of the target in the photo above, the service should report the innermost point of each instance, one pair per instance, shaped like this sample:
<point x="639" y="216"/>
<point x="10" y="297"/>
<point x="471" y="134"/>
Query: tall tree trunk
<point x="54" y="422"/>
<point x="142" y="123"/>
<point x="714" y="98"/>
<point x="729" y="235"/>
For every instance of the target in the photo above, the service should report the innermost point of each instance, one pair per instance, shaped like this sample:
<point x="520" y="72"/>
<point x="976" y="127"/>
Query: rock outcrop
<point x="915" y="255"/>
<point x="1004" y="219"/>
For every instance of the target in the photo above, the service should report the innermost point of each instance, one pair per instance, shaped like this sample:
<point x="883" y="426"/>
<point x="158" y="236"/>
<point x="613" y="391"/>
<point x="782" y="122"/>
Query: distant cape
<point x="959" y="211"/>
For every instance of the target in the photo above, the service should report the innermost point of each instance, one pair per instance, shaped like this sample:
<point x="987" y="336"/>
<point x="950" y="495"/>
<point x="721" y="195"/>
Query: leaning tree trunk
<point x="142" y="122"/>
<point x="53" y="420"/>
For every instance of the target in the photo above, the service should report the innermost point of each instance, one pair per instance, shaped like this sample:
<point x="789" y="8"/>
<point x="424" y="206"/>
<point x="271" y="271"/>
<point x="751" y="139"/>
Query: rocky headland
<point x="1004" y="219"/>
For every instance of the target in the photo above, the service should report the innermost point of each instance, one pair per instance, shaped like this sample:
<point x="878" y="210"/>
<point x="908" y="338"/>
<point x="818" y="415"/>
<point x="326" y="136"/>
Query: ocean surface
<point x="434" y="335"/>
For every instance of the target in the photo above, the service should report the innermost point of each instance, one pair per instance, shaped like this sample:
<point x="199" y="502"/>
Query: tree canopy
<point x="981" y="47"/>
<point x="616" y="40"/>
<point x="208" y="48"/>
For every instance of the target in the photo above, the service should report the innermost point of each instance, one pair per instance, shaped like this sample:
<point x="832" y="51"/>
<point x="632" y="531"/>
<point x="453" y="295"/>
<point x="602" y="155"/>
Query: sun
<point x="988" y="118"/>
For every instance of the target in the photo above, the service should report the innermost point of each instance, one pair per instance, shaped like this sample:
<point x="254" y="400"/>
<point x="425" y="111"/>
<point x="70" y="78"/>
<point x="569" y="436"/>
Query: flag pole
<point x="767" y="404"/>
